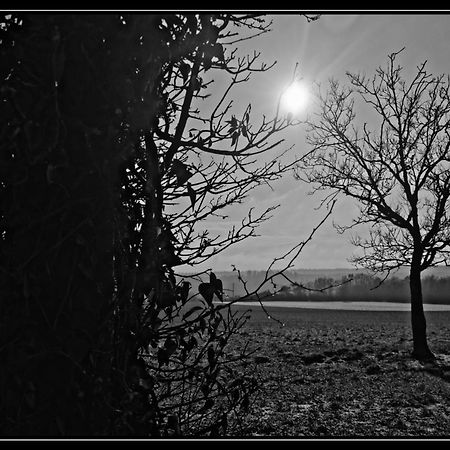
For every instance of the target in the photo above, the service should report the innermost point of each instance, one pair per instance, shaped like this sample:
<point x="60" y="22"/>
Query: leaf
<point x="234" y="138"/>
<point x="244" y="131"/>
<point x="214" y="51"/>
<point x="170" y="345"/>
<point x="192" y="194"/>
<point x="216" y="285"/>
<point x="163" y="357"/>
<point x="207" y="292"/>
<point x="233" y="123"/>
<point x="185" y="69"/>
<point x="181" y="171"/>
<point x="218" y="52"/>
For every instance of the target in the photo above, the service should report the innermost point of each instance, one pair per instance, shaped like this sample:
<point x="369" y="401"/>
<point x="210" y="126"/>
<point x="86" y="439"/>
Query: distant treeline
<point x="234" y="288"/>
<point x="363" y="287"/>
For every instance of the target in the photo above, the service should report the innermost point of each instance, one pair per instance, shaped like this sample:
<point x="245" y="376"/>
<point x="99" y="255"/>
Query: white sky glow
<point x="323" y="49"/>
<point x="295" y="98"/>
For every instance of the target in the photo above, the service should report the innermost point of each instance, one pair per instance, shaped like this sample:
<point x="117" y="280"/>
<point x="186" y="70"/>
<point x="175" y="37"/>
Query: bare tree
<point x="396" y="167"/>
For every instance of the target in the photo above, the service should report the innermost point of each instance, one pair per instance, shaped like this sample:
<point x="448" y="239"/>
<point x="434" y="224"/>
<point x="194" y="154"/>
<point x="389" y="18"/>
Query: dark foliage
<point x="102" y="189"/>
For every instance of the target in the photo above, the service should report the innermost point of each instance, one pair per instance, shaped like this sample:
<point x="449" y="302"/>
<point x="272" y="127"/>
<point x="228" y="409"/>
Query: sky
<point x="325" y="48"/>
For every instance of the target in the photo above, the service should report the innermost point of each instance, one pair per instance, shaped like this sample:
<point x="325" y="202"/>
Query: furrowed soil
<point x="345" y="374"/>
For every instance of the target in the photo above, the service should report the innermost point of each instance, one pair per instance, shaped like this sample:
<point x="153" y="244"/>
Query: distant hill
<point x="253" y="278"/>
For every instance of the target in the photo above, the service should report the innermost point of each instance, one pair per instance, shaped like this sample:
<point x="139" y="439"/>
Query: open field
<point x="346" y="374"/>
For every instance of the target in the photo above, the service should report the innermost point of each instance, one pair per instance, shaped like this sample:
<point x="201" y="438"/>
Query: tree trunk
<point x="421" y="350"/>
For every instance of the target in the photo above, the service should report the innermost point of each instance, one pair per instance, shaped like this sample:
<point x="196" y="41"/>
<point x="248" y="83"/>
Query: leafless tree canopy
<point x="398" y="169"/>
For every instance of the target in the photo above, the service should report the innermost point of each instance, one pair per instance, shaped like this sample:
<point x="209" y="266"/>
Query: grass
<point x="346" y="374"/>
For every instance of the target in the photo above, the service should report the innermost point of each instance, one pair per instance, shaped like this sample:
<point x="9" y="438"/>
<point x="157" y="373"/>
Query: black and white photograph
<point x="224" y="225"/>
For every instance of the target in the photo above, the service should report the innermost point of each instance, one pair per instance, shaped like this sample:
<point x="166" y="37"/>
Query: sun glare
<point x="295" y="98"/>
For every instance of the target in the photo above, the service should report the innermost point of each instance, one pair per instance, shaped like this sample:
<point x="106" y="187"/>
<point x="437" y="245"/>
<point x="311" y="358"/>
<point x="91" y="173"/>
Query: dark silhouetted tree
<point x="396" y="167"/>
<point x="108" y="167"/>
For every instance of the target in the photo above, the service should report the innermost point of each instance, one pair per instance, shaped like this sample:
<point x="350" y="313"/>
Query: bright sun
<point x="295" y="98"/>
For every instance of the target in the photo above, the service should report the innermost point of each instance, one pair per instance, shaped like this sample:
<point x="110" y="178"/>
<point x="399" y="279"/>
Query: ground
<point x="346" y="374"/>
